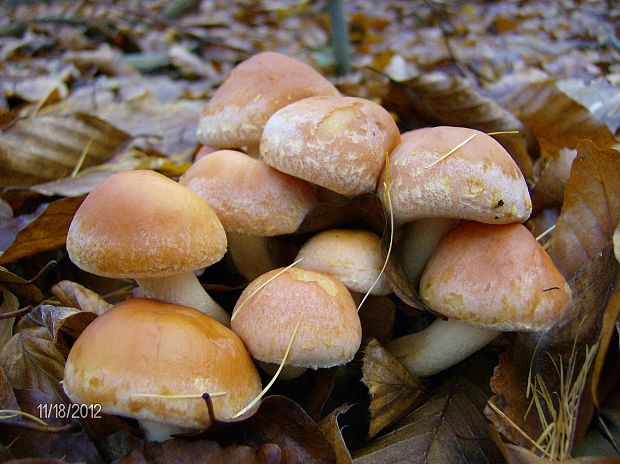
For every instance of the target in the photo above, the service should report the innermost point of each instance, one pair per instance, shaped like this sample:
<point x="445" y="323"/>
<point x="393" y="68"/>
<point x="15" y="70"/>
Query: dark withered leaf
<point x="448" y="99"/>
<point x="43" y="230"/>
<point x="55" y="319"/>
<point x="283" y="422"/>
<point x="581" y="248"/>
<point x="31" y="362"/>
<point x="394" y="392"/>
<point x="449" y="427"/>
<point x="26" y="291"/>
<point x="75" y="295"/>
<point x="377" y="317"/>
<point x="329" y="426"/>
<point x="8" y="304"/>
<point x="46" y="147"/>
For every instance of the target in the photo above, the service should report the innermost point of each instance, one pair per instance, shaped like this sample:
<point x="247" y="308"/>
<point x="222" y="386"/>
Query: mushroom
<point x="439" y="175"/>
<point x="339" y="143"/>
<point x="485" y="279"/>
<point x="267" y="312"/>
<point x="251" y="93"/>
<point x="616" y="242"/>
<point x="152" y="361"/>
<point x="253" y="201"/>
<point x="352" y="256"/>
<point x="142" y="225"/>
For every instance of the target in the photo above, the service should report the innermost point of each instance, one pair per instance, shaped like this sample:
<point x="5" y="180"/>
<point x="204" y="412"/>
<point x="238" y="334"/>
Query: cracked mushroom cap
<point x="142" y="224"/>
<point x="339" y="143"/>
<point x="248" y="196"/>
<point x="496" y="276"/>
<point x="144" y="346"/>
<point x="251" y="93"/>
<point x="479" y="181"/>
<point x="352" y="256"/>
<point x="330" y="331"/>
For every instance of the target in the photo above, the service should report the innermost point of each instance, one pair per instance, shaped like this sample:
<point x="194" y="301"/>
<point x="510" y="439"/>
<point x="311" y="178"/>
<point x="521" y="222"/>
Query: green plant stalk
<point x="340" y="37"/>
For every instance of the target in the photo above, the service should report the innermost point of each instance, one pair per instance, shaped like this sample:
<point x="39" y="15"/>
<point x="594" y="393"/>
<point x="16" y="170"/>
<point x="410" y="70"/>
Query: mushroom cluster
<point x="285" y="140"/>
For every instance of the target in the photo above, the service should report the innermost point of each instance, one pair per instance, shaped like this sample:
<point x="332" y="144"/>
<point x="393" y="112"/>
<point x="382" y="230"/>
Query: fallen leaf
<point x="448" y="427"/>
<point x="394" y="392"/>
<point x="77" y="296"/>
<point x="46" y="147"/>
<point x="447" y="99"/>
<point x="377" y="316"/>
<point x="26" y="291"/>
<point x="43" y="230"/>
<point x="55" y="319"/>
<point x="581" y="248"/>
<point x="329" y="426"/>
<point x="8" y="304"/>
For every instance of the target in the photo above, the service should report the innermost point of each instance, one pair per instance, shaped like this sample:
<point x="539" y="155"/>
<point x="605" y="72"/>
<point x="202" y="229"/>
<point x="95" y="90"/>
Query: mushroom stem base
<point x="183" y="289"/>
<point x="440" y="346"/>
<point x="157" y="431"/>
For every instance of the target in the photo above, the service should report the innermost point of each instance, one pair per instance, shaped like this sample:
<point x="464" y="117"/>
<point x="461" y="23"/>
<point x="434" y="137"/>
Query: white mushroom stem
<point x="440" y="346"/>
<point x="418" y="241"/>
<point x="251" y="254"/>
<point x="183" y="289"/>
<point x="157" y="431"/>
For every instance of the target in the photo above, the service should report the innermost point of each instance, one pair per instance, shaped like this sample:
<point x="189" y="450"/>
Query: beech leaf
<point x="447" y="99"/>
<point x="46" y="147"/>
<point x="26" y="291"/>
<point x="394" y="392"/>
<point x="448" y="427"/>
<point x="8" y="304"/>
<point x="43" y="230"/>
<point x="75" y="295"/>
<point x="329" y="426"/>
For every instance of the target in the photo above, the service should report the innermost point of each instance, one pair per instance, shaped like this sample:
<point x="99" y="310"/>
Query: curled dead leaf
<point x="75" y="295"/>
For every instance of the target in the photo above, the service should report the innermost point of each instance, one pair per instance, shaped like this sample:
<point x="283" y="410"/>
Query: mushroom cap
<point x="142" y="224"/>
<point x="330" y="331"/>
<point x="249" y="196"/>
<point x="616" y="242"/>
<point x="146" y="346"/>
<point x="479" y="181"/>
<point x="251" y="93"/>
<point x="496" y="276"/>
<point x="352" y="256"/>
<point x="339" y="143"/>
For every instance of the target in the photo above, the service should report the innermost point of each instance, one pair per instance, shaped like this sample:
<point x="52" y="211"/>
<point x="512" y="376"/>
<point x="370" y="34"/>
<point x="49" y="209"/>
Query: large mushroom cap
<point x="249" y="196"/>
<point x="497" y="276"/>
<point x="142" y="224"/>
<point x="478" y="181"/>
<point x="251" y="93"/>
<point x="330" y="330"/>
<point x="145" y="346"/>
<point x="339" y="143"/>
<point x="352" y="256"/>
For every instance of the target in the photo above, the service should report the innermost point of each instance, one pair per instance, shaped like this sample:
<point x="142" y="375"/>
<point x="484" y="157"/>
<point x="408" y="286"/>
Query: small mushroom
<point x="251" y="93"/>
<point x="142" y="225"/>
<point x="352" y="256"/>
<point x="339" y="143"/>
<point x="266" y="314"/>
<point x="485" y="279"/>
<point x="253" y="201"/>
<point x="152" y="361"/>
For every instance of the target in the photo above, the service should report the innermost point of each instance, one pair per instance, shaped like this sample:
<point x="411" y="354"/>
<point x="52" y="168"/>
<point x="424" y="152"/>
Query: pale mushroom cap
<point x="352" y="256"/>
<point x="142" y="224"/>
<point x="251" y="93"/>
<point x="479" y="181"/>
<point x="248" y="196"/>
<point x="146" y="346"/>
<point x="497" y="276"/>
<point x="330" y="330"/>
<point x="339" y="143"/>
<point x="616" y="242"/>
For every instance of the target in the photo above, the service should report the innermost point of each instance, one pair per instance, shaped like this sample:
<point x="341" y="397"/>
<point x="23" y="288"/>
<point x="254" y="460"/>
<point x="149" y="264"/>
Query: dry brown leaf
<point x="581" y="248"/>
<point x="377" y="316"/>
<point x="45" y="147"/>
<point x="26" y="291"/>
<point x="8" y="304"/>
<point x="443" y="99"/>
<point x="394" y="392"/>
<point x="329" y="426"/>
<point x="43" y="230"/>
<point x="55" y="319"/>
<point x="31" y="362"/>
<point x="75" y="295"/>
<point x="448" y="427"/>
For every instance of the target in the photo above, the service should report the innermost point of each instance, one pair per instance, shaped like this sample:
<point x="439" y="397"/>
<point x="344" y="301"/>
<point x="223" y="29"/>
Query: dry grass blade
<point x="450" y="152"/>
